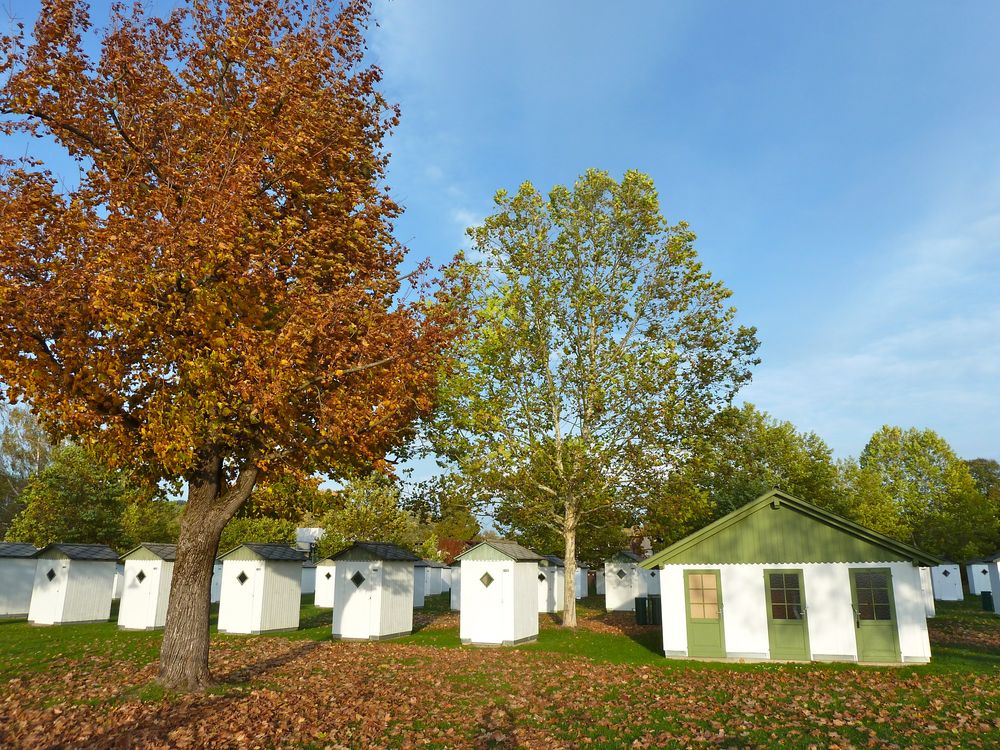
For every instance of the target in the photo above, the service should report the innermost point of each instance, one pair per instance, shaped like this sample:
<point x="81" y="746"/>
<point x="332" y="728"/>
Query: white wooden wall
<point x="432" y="581"/>
<point x="308" y="579"/>
<point x="552" y="590"/>
<point x="144" y="603"/>
<point x="947" y="583"/>
<point x="927" y="591"/>
<point x="599" y="580"/>
<point x="268" y="601"/>
<point x="445" y="579"/>
<point x="325" y="586"/>
<point x="17" y="579"/>
<point x="216" y="582"/>
<point x="580" y="580"/>
<point x="828" y="604"/>
<point x="620" y="593"/>
<point x="456" y="588"/>
<point x="979" y="578"/>
<point x="80" y="592"/>
<point x="382" y="607"/>
<point x="504" y="612"/>
<point x="994" y="568"/>
<point x="396" y="617"/>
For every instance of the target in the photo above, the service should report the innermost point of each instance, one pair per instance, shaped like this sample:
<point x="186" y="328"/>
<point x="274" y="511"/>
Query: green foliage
<point x="24" y="450"/>
<point x="289" y="498"/>
<point x="260" y="530"/>
<point x="748" y="452"/>
<point x="151" y="521"/>
<point x="600" y="348"/>
<point x="369" y="510"/>
<point x="911" y="485"/>
<point x="442" y="502"/>
<point x="75" y="499"/>
<point x="429" y="550"/>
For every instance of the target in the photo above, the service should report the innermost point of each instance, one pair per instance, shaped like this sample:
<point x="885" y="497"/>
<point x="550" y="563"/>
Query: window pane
<point x="882" y="612"/>
<point x="863" y="580"/>
<point x="708" y="581"/>
<point x="881" y="596"/>
<point x="777" y="580"/>
<point x="791" y="580"/>
<point x="879" y="580"/>
<point x="697" y="612"/>
<point x="866" y="611"/>
<point x="794" y="612"/>
<point x="777" y="596"/>
<point x="778" y="612"/>
<point x="697" y="596"/>
<point x="711" y="596"/>
<point x="695" y="580"/>
<point x="792" y="596"/>
<point x="711" y="611"/>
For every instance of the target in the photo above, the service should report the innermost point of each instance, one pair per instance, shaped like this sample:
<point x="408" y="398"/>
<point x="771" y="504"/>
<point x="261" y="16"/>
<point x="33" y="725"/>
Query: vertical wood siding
<point x="947" y="580"/>
<point x="325" y="586"/>
<point x="88" y="591"/>
<point x="456" y="588"/>
<point x="17" y="579"/>
<point x="620" y="593"/>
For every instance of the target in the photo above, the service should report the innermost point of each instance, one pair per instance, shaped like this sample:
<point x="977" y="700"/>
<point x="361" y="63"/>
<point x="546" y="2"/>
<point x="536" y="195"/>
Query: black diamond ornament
<point x="140" y="576"/>
<point x="486" y="580"/>
<point x="242" y="578"/>
<point x="541" y="576"/>
<point x="51" y="574"/>
<point x="357" y="579"/>
<point x="946" y="573"/>
<point x="328" y="576"/>
<point x="622" y="574"/>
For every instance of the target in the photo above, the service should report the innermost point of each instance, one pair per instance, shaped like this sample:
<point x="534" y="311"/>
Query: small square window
<point x="621" y="574"/>
<point x="140" y="576"/>
<point x="51" y="574"/>
<point x="242" y="578"/>
<point x="486" y="580"/>
<point x="328" y="576"/>
<point x="357" y="579"/>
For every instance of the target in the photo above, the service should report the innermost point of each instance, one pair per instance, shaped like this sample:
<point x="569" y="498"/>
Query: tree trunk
<point x="184" y="653"/>
<point x="569" y="579"/>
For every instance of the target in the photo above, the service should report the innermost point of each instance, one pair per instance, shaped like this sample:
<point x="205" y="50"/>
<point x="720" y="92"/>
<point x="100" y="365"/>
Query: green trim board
<point x="779" y="529"/>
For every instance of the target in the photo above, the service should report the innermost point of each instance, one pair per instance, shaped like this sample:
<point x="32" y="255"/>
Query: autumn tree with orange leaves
<point x="219" y="298"/>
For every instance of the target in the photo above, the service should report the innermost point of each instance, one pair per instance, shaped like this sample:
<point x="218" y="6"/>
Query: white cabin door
<point x="359" y="586"/>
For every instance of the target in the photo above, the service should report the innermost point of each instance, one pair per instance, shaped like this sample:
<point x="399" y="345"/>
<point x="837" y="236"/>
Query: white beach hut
<point x="445" y="579"/>
<point x="456" y="586"/>
<point x="621" y="581"/>
<point x="947" y="579"/>
<point x="73" y="583"/>
<point x="432" y="578"/>
<point x="500" y="594"/>
<point x="146" y="591"/>
<point x="308" y="577"/>
<point x="993" y="566"/>
<point x="978" y="572"/>
<point x="927" y="591"/>
<point x="551" y="576"/>
<point x="419" y="583"/>
<point x="785" y="580"/>
<point x="325" y="583"/>
<point x="581" y="580"/>
<point x="374" y="594"/>
<point x="261" y="589"/>
<point x="17" y="578"/>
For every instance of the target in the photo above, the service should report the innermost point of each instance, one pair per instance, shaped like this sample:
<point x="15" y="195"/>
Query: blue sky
<point x="840" y="163"/>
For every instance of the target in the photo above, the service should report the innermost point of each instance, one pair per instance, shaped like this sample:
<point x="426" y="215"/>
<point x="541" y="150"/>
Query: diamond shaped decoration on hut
<point x="140" y="576"/>
<point x="242" y="578"/>
<point x="486" y="580"/>
<point x="51" y="574"/>
<point x="541" y="576"/>
<point x="357" y="579"/>
<point x="621" y="573"/>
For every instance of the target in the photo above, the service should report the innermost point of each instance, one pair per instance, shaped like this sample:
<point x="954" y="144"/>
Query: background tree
<point x="289" y="497"/>
<point x="442" y="502"/>
<point x="260" y="530"/>
<point x="369" y="510"/>
<point x="911" y="485"/>
<point x="24" y="450"/>
<point x="219" y="295"/>
<point x="75" y="499"/>
<point x="151" y="521"/>
<point x="601" y="345"/>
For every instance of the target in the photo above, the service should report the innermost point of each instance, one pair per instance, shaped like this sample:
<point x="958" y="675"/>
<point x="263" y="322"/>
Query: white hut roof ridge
<point x="100" y="552"/>
<point x="17" y="549"/>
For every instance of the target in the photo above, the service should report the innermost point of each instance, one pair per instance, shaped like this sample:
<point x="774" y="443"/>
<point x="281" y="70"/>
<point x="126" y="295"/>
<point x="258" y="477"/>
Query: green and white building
<point x="782" y="579"/>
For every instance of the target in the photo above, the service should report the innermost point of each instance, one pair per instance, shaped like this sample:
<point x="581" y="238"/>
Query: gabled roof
<point x="625" y="555"/>
<point x="99" y="552"/>
<point x="779" y="528"/>
<point x="166" y="552"/>
<point x="511" y="550"/>
<point x="17" y="549"/>
<point x="276" y="552"/>
<point x="556" y="562"/>
<point x="378" y="551"/>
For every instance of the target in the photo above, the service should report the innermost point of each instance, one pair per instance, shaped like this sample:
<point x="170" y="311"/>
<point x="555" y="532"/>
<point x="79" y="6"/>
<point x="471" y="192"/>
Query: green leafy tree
<point x="152" y="521"/>
<point x="369" y="510"/>
<point x="288" y="497"/>
<point x="256" y="530"/>
<point x="442" y="503"/>
<point x="75" y="499"/>
<point x="600" y="347"/>
<point x="911" y="485"/>
<point x="25" y="450"/>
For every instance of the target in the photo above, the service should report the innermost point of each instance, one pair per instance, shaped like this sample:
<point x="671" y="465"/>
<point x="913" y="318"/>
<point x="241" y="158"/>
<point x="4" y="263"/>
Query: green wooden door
<point x="874" y="615"/>
<point x="787" y="629"/>
<point x="703" y="597"/>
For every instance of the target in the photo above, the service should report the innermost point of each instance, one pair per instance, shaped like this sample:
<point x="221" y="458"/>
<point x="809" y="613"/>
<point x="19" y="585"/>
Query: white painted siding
<point x="994" y="568"/>
<point x="216" y="583"/>
<point x="118" y="585"/>
<point x="445" y="579"/>
<point x="239" y="604"/>
<point x="396" y="617"/>
<point x="599" y="580"/>
<point x="432" y="582"/>
<point x="829" y="610"/>
<point x="282" y="596"/>
<point x="580" y="581"/>
<point x="47" y="596"/>
<point x="947" y="580"/>
<point x="355" y="608"/>
<point x="88" y="593"/>
<point x="979" y="578"/>
<point x="648" y="583"/>
<point x="927" y="591"/>
<point x="17" y="579"/>
<point x="551" y="589"/>
<point x="504" y="612"/>
<point x="308" y="585"/>
<point x="620" y="591"/>
<point x="419" y="587"/>
<point x="325" y="583"/>
<point x="144" y="603"/>
<point x="456" y="588"/>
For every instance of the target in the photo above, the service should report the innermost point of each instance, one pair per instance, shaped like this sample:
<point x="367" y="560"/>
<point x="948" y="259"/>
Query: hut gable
<point x="500" y="550"/>
<point x="372" y="551"/>
<point x="778" y="528"/>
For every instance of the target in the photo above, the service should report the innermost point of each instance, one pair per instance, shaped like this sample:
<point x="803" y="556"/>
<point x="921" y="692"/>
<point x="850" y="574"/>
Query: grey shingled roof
<point x="166" y="552"/>
<point x="553" y="560"/>
<point x="17" y="549"/>
<point x="513" y="550"/>
<point x="277" y="552"/>
<point x="81" y="551"/>
<point x="381" y="551"/>
<point x="626" y="553"/>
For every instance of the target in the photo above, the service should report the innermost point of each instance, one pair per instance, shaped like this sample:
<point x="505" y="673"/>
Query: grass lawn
<point x="604" y="685"/>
